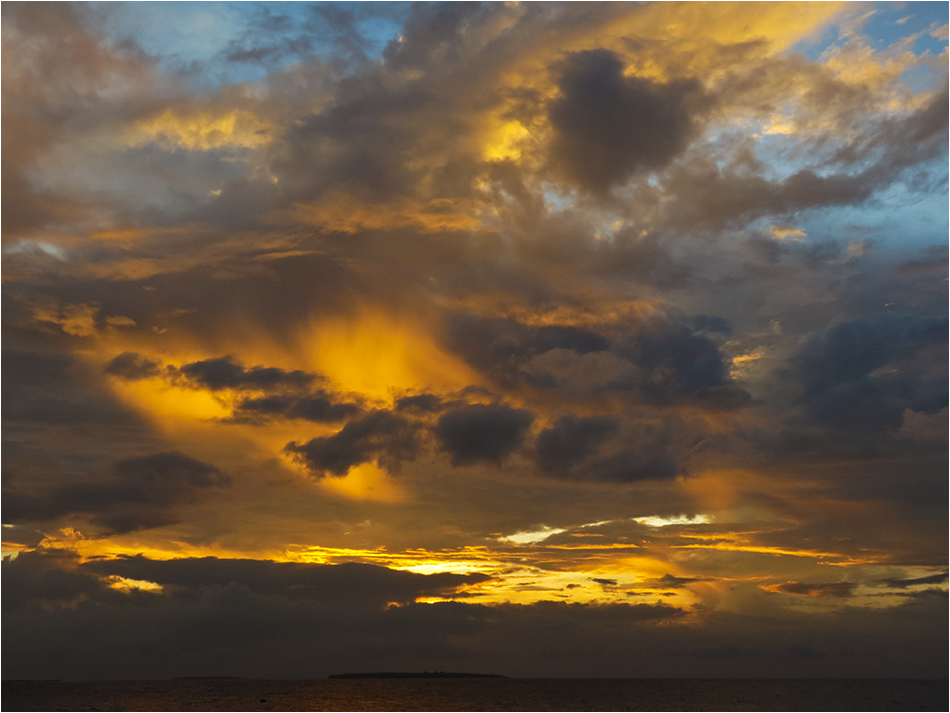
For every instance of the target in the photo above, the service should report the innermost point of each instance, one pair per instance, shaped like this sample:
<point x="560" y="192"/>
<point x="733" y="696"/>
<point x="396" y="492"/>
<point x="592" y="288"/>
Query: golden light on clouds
<point x="344" y="213"/>
<point x="202" y="130"/>
<point x="366" y="482"/>
<point x="173" y="407"/>
<point x="505" y="142"/>
<point x="380" y="355"/>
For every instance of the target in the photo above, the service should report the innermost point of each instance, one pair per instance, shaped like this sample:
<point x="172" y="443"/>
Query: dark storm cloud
<point x="678" y="365"/>
<point x="60" y="419"/>
<point x="649" y="456"/>
<point x="32" y="579"/>
<point x="674" y="358"/>
<point x="133" y="367"/>
<point x="858" y="378"/>
<point x="227" y="373"/>
<point x="383" y="436"/>
<point x="838" y="590"/>
<point x="139" y="493"/>
<point x="669" y="581"/>
<point x="256" y="624"/>
<point x="425" y="403"/>
<point x="904" y="583"/>
<point x="320" y="407"/>
<point x="571" y="440"/>
<point x="501" y="347"/>
<point x="608" y="126"/>
<point x="482" y="433"/>
<point x="349" y="585"/>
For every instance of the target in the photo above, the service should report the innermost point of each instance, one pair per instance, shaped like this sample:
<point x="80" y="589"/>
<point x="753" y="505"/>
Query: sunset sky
<point x="524" y="338"/>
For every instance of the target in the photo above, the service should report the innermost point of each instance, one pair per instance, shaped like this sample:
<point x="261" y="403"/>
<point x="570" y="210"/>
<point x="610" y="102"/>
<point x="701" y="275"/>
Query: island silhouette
<point x="415" y="674"/>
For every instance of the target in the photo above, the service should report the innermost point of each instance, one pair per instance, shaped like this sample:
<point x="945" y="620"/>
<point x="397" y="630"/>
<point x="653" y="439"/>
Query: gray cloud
<point x="139" y="493"/>
<point x="608" y="126"/>
<point x="344" y="585"/>
<point x="247" y="627"/>
<point x="379" y="435"/>
<point x="133" y="367"/>
<point x="482" y="433"/>
<point x="226" y="373"/>
<point x="838" y="590"/>
<point x="320" y="407"/>
<point x="571" y="440"/>
<point x="914" y="581"/>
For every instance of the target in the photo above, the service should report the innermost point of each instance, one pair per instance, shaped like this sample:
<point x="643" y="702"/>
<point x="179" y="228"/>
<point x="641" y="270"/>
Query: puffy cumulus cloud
<point x="289" y="393"/>
<point x="611" y="449"/>
<point x="668" y="361"/>
<point x="608" y="126"/>
<point x="132" y="366"/>
<point x="138" y="493"/>
<point x="500" y="347"/>
<point x="858" y="379"/>
<point x="382" y="435"/>
<point x="319" y="407"/>
<point x="680" y="364"/>
<point x="482" y="433"/>
<point x="225" y="373"/>
<point x="570" y="440"/>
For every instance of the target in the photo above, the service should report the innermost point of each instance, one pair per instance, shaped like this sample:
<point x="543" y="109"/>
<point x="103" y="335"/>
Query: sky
<point x="534" y="339"/>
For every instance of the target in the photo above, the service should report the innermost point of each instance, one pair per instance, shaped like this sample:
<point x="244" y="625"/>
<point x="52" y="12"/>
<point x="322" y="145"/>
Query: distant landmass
<point x="424" y="674"/>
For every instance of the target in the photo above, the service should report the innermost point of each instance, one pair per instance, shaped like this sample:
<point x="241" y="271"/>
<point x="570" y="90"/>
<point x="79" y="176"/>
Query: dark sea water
<point x="478" y="695"/>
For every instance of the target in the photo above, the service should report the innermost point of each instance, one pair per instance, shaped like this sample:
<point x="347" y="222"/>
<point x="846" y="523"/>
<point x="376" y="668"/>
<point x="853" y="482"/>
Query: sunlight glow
<point x="366" y="482"/>
<point x="666" y="521"/>
<point x="378" y="355"/>
<point x="531" y="537"/>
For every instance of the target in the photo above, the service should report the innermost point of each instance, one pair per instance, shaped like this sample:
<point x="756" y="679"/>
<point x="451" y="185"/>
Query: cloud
<point x="896" y="583"/>
<point x="571" y="440"/>
<point x="349" y="585"/>
<point x="425" y="403"/>
<point x="226" y="373"/>
<point x="133" y="367"/>
<point x="482" y="433"/>
<point x="139" y="493"/>
<point x="679" y="365"/>
<point x="838" y="590"/>
<point x="607" y="126"/>
<point x="714" y="197"/>
<point x="669" y="581"/>
<point x="383" y="436"/>
<point x="319" y="407"/>
<point x="501" y="347"/>
<point x="673" y="361"/>
<point x="287" y="620"/>
<point x="860" y="376"/>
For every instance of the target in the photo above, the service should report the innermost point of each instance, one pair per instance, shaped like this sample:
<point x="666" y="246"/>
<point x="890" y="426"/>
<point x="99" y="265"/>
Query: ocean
<point x="503" y="694"/>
